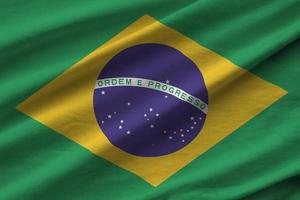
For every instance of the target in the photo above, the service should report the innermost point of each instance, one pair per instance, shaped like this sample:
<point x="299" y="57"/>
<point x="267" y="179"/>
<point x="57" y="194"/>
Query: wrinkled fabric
<point x="41" y="39"/>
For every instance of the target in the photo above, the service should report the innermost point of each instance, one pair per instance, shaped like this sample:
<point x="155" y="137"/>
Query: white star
<point x="128" y="104"/>
<point x="147" y="119"/>
<point x="128" y="132"/>
<point x="195" y="123"/>
<point x="181" y="130"/>
<point x="200" y="118"/>
<point x="103" y="92"/>
<point x="151" y="126"/>
<point x="102" y="122"/>
<point x="109" y="116"/>
<point x="156" y="114"/>
<point x="187" y="130"/>
<point x="170" y="137"/>
<point x="192" y="118"/>
<point x="167" y="81"/>
<point x="145" y="115"/>
<point x="166" y="96"/>
<point x="150" y="109"/>
<point x="121" y="121"/>
<point x="182" y="135"/>
<point x="165" y="131"/>
<point x="174" y="132"/>
<point x="120" y="127"/>
<point x="115" y="112"/>
<point x="182" y="140"/>
<point x="192" y="127"/>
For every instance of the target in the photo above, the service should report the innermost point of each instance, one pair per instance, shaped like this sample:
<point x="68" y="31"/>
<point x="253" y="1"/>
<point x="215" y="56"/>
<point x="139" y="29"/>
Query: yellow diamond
<point x="66" y="103"/>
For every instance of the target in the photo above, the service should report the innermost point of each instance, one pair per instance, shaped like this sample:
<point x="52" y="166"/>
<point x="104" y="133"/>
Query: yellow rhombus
<point x="66" y="103"/>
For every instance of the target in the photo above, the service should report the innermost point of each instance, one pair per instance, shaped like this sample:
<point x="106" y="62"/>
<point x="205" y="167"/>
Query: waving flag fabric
<point x="149" y="100"/>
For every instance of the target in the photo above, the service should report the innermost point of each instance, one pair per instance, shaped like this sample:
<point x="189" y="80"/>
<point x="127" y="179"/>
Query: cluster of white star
<point x="150" y="114"/>
<point x="181" y="132"/>
<point x="121" y="122"/>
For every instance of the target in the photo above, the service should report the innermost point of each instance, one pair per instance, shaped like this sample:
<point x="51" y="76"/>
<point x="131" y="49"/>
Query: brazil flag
<point x="149" y="100"/>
